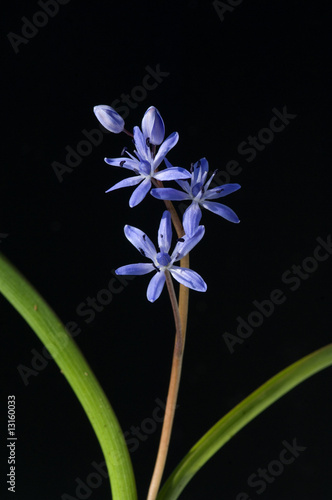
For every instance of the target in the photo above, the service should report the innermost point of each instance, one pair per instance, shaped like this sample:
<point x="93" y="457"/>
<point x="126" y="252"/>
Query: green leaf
<point x="240" y="416"/>
<point x="74" y="367"/>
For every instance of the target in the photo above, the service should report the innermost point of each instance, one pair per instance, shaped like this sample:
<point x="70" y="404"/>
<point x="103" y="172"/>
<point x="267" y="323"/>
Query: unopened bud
<point x="153" y="126"/>
<point x="109" y="118"/>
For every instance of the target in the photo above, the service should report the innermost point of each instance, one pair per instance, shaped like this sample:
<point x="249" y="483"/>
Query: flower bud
<point x="153" y="126"/>
<point x="109" y="118"/>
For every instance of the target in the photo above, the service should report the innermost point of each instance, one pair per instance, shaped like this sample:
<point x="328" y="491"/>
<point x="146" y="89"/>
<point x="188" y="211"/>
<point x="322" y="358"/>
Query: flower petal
<point x="130" y="181"/>
<point x="135" y="269"/>
<point x="191" y="218"/>
<point x="168" y="144"/>
<point x="220" y="191"/>
<point x="186" y="244"/>
<point x="222" y="210"/>
<point x="165" y="232"/>
<point x="140" y="193"/>
<point x="169" y="194"/>
<point x="140" y="241"/>
<point x="184" y="185"/>
<point x="123" y="163"/>
<point x="156" y="286"/>
<point x="201" y="169"/>
<point x="171" y="174"/>
<point x="188" y="278"/>
<point x="142" y="149"/>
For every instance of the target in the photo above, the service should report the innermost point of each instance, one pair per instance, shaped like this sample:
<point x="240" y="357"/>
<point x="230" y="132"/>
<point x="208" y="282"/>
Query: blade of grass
<point x="241" y="415"/>
<point x="43" y="321"/>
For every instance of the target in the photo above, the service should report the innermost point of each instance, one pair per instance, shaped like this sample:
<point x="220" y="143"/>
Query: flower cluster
<point x="145" y="162"/>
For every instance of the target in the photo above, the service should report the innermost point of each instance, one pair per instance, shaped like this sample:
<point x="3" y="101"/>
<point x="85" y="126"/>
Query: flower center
<point x="163" y="259"/>
<point x="196" y="192"/>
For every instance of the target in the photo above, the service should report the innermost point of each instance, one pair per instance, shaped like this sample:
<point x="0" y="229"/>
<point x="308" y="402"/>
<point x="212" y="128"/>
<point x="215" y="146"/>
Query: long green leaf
<point x="74" y="367"/>
<point x="241" y="415"/>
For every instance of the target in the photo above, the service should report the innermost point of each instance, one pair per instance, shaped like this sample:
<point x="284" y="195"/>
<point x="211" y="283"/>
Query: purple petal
<point x="135" y="269"/>
<point x="168" y="144"/>
<point x="188" y="278"/>
<point x="153" y="126"/>
<point x="220" y="191"/>
<point x="165" y="232"/>
<point x="184" y="185"/>
<point x="171" y="174"/>
<point x="140" y="193"/>
<point x="191" y="218"/>
<point x="186" y="244"/>
<point x="140" y="145"/>
<point x="201" y="169"/>
<point x="130" y="181"/>
<point x="169" y="194"/>
<point x="140" y="241"/>
<point x="219" y="209"/>
<point x="123" y="163"/>
<point x="156" y="286"/>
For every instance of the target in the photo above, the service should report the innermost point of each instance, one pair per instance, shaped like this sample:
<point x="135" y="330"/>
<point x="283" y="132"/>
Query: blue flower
<point x="198" y="191"/>
<point x="162" y="261"/>
<point x="146" y="163"/>
<point x="109" y="118"/>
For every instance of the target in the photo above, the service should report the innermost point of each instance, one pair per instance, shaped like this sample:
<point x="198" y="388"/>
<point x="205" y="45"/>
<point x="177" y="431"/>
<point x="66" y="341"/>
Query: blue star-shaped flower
<point x="198" y="191"/>
<point x="162" y="261"/>
<point x="147" y="162"/>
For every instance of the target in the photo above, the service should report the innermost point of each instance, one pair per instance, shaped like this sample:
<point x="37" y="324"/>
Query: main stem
<point x="180" y="313"/>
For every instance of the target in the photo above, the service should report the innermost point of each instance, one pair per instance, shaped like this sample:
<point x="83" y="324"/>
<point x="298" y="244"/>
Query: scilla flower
<point x="162" y="261"/>
<point x="198" y="191"/>
<point x="145" y="164"/>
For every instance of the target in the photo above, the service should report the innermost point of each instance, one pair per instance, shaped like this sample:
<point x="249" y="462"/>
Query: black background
<point x="225" y="78"/>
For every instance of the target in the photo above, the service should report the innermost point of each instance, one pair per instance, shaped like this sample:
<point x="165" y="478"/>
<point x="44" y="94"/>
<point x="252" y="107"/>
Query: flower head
<point x="162" y="261"/>
<point x="199" y="193"/>
<point x="146" y="161"/>
<point x="109" y="118"/>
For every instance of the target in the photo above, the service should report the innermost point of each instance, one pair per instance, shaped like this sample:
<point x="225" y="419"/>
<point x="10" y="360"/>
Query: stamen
<point x="125" y="149"/>
<point x="122" y="163"/>
<point x="156" y="268"/>
<point x="142" y="251"/>
<point x="148" y="142"/>
<point x="180" y="239"/>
